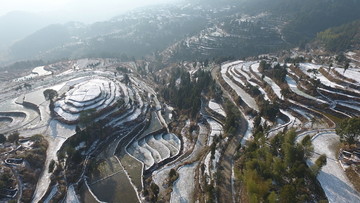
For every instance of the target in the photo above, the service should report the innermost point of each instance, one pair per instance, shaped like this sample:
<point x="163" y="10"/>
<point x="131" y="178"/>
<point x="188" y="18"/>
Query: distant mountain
<point x="46" y="40"/>
<point x="191" y="30"/>
<point x="312" y="16"/>
<point x="136" y="33"/>
<point x="17" y="25"/>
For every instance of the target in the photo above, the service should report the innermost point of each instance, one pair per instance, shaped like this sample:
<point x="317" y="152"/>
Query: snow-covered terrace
<point x="332" y="177"/>
<point x="154" y="149"/>
<point x="93" y="94"/>
<point x="240" y="92"/>
<point x="217" y="108"/>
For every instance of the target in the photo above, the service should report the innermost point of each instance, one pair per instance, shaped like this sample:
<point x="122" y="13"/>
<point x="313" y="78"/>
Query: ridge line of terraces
<point x="145" y="151"/>
<point x="99" y="94"/>
<point x="248" y="100"/>
<point x="92" y="106"/>
<point x="248" y="80"/>
<point x="336" y="73"/>
<point x="248" y="90"/>
<point x="163" y="150"/>
<point x="275" y="87"/>
<point x="340" y="82"/>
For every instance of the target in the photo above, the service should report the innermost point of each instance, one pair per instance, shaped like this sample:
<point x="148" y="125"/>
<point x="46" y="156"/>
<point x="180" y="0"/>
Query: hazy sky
<point x="82" y="10"/>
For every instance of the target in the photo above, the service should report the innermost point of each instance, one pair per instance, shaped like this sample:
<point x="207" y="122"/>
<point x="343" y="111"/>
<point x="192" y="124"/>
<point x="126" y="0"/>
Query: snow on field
<point x="236" y="76"/>
<point x="173" y="140"/>
<point x="274" y="86"/>
<point x="215" y="130"/>
<point x="28" y="77"/>
<point x="332" y="177"/>
<point x="308" y="66"/>
<point x="58" y="135"/>
<point x="293" y="86"/>
<point x="352" y="106"/>
<point x="246" y="66"/>
<point x="71" y="195"/>
<point x="250" y="101"/>
<point x="305" y="115"/>
<point x="351" y="55"/>
<point x="211" y="165"/>
<point x="84" y="63"/>
<point x="207" y="163"/>
<point x="57" y="87"/>
<point x="160" y="175"/>
<point x="248" y="134"/>
<point x="163" y="150"/>
<point x="245" y="69"/>
<point x="217" y="108"/>
<point x="291" y="123"/>
<point x="54" y="190"/>
<point x="36" y="72"/>
<point x="353" y="73"/>
<point x="86" y="92"/>
<point x="154" y="152"/>
<point x="92" y="94"/>
<point x="65" y="115"/>
<point x="11" y="104"/>
<point x="36" y="97"/>
<point x="40" y="71"/>
<point x="67" y="72"/>
<point x="173" y="150"/>
<point x="339" y="93"/>
<point x="148" y="150"/>
<point x="184" y="186"/>
<point x="141" y="154"/>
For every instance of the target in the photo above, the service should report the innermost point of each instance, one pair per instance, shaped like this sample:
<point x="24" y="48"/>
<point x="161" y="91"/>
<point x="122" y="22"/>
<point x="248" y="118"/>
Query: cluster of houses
<point x="350" y="158"/>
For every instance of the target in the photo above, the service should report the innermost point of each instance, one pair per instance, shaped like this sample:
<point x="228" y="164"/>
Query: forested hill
<point x="308" y="17"/>
<point x="188" y="30"/>
<point x="340" y="38"/>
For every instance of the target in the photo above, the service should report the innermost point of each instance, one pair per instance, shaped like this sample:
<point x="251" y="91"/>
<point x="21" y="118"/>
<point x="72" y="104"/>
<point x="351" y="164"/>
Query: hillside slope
<point x="340" y="38"/>
<point x="188" y="30"/>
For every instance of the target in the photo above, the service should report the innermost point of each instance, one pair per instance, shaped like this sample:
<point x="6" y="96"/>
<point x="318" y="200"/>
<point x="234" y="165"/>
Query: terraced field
<point x="330" y="94"/>
<point x="89" y="94"/>
<point x="142" y="146"/>
<point x="309" y="97"/>
<point x="154" y="149"/>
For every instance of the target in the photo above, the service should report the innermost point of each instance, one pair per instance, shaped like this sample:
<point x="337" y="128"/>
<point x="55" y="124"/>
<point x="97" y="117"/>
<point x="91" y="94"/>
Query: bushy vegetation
<point x="2" y="138"/>
<point x="276" y="171"/>
<point x="311" y="17"/>
<point x="6" y="179"/>
<point x="184" y="91"/>
<point x="36" y="160"/>
<point x="13" y="137"/>
<point x="277" y="73"/>
<point x="173" y="176"/>
<point x="232" y="121"/>
<point x="341" y="38"/>
<point x="152" y="192"/>
<point x="87" y="117"/>
<point x="349" y="130"/>
<point x="50" y="94"/>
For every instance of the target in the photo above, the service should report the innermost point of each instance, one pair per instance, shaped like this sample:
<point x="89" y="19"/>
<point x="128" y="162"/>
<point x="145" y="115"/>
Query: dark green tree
<point x="51" y="166"/>
<point x="349" y="130"/>
<point x="2" y="138"/>
<point x="13" y="137"/>
<point x="50" y="94"/>
<point x="319" y="163"/>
